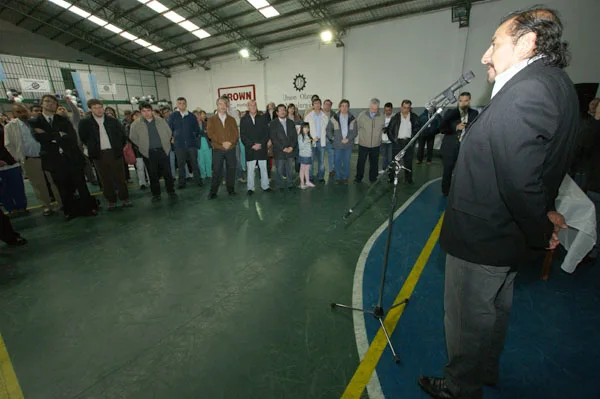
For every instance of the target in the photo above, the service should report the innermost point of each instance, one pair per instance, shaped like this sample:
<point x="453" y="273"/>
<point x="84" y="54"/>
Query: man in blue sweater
<point x="186" y="140"/>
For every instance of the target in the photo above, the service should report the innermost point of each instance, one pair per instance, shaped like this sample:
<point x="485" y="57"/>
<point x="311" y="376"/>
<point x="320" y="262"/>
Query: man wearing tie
<point x="285" y="143"/>
<point x="61" y="157"/>
<point x="453" y="125"/>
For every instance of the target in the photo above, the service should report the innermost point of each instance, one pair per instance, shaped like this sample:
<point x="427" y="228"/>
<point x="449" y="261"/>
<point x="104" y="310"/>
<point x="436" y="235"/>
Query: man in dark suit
<point x="105" y="138"/>
<point x="403" y="126"/>
<point x="454" y="124"/>
<point x="62" y="158"/>
<point x="285" y="143"/>
<point x="254" y="133"/>
<point x="512" y="161"/>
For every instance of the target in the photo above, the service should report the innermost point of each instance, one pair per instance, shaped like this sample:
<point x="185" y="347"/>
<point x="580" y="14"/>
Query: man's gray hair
<point x="374" y="101"/>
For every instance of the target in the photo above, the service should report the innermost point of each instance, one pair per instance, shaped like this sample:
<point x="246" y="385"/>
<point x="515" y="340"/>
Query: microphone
<point x="448" y="94"/>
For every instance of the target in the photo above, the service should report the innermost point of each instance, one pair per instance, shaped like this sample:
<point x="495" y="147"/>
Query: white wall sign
<point x="107" y="88"/>
<point x="34" y="85"/>
<point x="239" y="95"/>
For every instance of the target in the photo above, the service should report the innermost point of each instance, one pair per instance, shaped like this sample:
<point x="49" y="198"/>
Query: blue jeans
<point x="331" y="157"/>
<point x="386" y="155"/>
<point x="319" y="156"/>
<point x="342" y="164"/>
<point x="12" y="189"/>
<point x="595" y="197"/>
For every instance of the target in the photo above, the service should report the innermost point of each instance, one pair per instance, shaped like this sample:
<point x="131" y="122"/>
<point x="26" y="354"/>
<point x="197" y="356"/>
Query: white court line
<point x="360" y="331"/>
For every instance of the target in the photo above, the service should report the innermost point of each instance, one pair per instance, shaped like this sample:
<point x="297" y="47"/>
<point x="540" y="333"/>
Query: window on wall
<point x="68" y="78"/>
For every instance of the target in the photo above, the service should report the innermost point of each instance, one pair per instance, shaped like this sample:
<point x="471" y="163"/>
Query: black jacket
<point x="394" y="126"/>
<point x="89" y="132"/>
<point x="282" y="140"/>
<point x="511" y="163"/>
<point x="59" y="145"/>
<point x="256" y="132"/>
<point x="448" y="125"/>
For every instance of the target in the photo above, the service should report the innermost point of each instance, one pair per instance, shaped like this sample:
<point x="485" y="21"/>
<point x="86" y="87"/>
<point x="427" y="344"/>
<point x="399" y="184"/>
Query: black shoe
<point x="435" y="387"/>
<point x="180" y="186"/>
<point x="143" y="187"/>
<point x="250" y="192"/>
<point x="291" y="188"/>
<point x="173" y="196"/>
<point x="268" y="190"/>
<point x="212" y="196"/>
<point x="156" y="198"/>
<point x="322" y="181"/>
<point x="20" y="241"/>
<point x="188" y="179"/>
<point x="445" y="194"/>
<point x="200" y="184"/>
<point x="232" y="193"/>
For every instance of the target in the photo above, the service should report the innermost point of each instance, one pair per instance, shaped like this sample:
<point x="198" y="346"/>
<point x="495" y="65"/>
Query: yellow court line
<point x="364" y="371"/>
<point x="9" y="385"/>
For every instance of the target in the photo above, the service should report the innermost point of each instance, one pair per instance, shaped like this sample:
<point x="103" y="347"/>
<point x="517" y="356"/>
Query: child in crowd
<point x="305" y="144"/>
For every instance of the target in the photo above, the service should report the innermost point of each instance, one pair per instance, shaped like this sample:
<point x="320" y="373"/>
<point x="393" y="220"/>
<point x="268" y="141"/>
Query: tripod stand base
<point x="379" y="314"/>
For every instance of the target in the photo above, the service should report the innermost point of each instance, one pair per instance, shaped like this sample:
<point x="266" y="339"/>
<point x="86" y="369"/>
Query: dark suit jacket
<point x="394" y="127"/>
<point x="282" y="140"/>
<point x="52" y="141"/>
<point x="448" y="125"/>
<point x="512" y="160"/>
<point x="89" y="132"/>
<point x="256" y="132"/>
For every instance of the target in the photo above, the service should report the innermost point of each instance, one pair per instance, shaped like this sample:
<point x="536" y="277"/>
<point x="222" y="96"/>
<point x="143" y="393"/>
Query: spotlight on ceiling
<point x="326" y="36"/>
<point x="245" y="53"/>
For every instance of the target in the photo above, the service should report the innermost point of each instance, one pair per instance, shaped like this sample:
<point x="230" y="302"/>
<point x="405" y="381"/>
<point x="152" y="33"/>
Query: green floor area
<point x="196" y="299"/>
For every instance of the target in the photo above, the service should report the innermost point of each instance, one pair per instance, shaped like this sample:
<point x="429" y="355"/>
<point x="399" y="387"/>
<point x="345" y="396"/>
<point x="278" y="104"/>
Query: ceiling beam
<point x="321" y="13"/>
<point x="75" y="32"/>
<point x="94" y="12"/>
<point x="54" y="16"/>
<point x="126" y="21"/>
<point x="266" y="21"/>
<point x="338" y="15"/>
<point x="229" y="17"/>
<point x="33" y="9"/>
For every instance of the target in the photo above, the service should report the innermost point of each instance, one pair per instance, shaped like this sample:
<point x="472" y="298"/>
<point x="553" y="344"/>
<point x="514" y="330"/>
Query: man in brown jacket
<point x="223" y="134"/>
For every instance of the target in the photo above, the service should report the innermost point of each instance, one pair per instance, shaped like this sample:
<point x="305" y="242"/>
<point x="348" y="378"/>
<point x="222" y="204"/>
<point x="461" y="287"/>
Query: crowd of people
<point x="59" y="148"/>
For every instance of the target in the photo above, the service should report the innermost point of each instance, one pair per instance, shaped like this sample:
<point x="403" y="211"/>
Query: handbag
<point x="129" y="154"/>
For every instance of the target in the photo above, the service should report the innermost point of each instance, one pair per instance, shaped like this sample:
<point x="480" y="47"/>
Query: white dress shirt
<point x="503" y="78"/>
<point x="405" y="127"/>
<point x="104" y="140"/>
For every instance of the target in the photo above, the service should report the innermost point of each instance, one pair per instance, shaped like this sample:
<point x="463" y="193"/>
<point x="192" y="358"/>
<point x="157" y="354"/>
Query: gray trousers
<point x="477" y="304"/>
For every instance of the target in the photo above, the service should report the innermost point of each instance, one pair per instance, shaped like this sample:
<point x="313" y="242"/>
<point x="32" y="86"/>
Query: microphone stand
<point x="396" y="166"/>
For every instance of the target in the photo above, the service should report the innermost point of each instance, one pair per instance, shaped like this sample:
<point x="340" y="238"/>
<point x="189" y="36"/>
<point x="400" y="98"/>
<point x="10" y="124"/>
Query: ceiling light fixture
<point x="201" y="34"/>
<point x="157" y="6"/>
<point x="61" y="3"/>
<point x="189" y="26"/>
<point x="245" y="53"/>
<point x="112" y="28"/>
<point x="326" y="36"/>
<point x="128" y="36"/>
<point x="79" y="11"/>
<point x="156" y="49"/>
<point x="143" y="43"/>
<point x="173" y="16"/>
<point x="258" y="4"/>
<point x="97" y="20"/>
<point x="269" y="12"/>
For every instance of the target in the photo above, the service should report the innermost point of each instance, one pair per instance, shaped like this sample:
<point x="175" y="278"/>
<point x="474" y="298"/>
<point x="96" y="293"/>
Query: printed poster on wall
<point x="107" y="89"/>
<point x="34" y="85"/>
<point x="239" y="96"/>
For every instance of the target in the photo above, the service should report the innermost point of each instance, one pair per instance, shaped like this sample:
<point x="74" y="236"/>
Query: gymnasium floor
<point x="230" y="299"/>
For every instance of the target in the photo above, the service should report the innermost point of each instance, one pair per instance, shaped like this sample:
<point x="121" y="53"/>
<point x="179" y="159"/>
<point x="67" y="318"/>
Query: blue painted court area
<point x="553" y="344"/>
